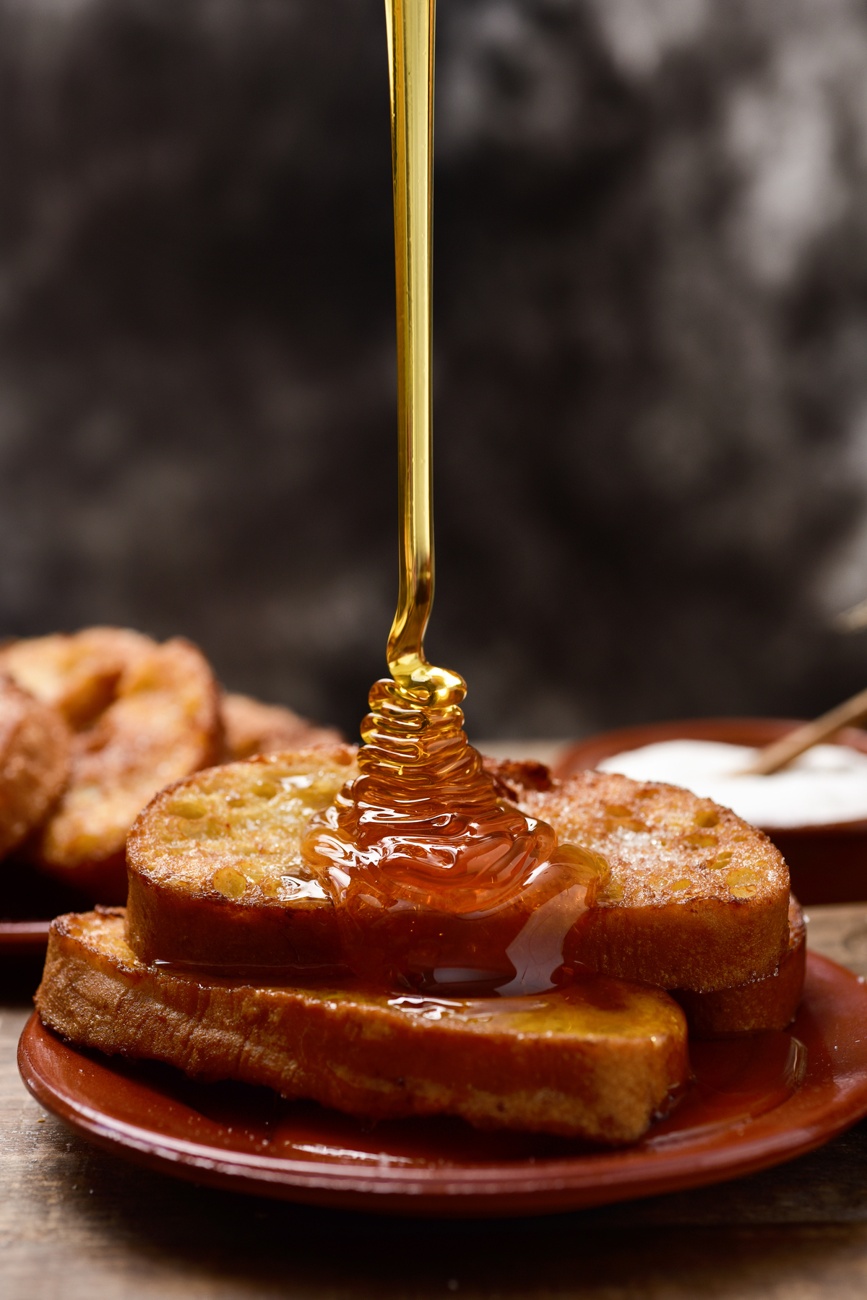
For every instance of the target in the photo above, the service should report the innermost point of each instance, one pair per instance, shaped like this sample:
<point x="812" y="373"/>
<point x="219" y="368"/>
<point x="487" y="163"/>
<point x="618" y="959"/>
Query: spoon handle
<point x="775" y="756"/>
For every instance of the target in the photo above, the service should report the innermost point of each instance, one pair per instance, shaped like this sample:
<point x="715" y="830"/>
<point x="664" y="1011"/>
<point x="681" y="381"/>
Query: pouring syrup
<point x="440" y="883"/>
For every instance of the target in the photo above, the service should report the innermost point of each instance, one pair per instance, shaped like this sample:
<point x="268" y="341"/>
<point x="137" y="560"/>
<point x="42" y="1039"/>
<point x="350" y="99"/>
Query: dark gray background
<point x="651" y="346"/>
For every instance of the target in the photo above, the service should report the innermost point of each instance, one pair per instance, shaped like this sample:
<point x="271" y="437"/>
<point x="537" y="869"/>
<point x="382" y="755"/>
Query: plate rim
<point x="821" y="1108"/>
<point x="23" y="938"/>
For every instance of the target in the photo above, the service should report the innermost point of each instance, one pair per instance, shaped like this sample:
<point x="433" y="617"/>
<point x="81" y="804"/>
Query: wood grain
<point x="77" y="1224"/>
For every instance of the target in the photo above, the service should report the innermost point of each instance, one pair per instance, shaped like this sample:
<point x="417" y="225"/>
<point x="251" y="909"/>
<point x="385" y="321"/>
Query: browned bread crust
<point x="763" y="1004"/>
<point x="34" y="763"/>
<point x="695" y="898"/>
<point x="161" y="723"/>
<point x="251" y="727"/>
<point x="596" y="1061"/>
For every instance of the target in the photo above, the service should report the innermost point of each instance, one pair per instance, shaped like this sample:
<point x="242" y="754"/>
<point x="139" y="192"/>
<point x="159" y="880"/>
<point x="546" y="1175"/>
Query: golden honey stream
<point x="440" y="883"/>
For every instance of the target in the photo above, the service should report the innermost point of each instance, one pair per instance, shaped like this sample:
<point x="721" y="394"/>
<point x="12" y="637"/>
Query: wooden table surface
<point x="82" y="1225"/>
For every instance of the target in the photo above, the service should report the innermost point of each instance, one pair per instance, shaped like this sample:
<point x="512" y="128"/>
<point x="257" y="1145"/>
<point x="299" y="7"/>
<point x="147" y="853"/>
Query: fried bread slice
<point x="216" y="878"/>
<point x="759" y="1005"/>
<point x="35" y="755"/>
<point x="694" y="898"/>
<point x="596" y="1061"/>
<point x="162" y="723"/>
<point x="251" y="727"/>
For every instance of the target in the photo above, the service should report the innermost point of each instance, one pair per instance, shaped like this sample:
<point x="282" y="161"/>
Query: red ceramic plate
<point x="755" y="1102"/>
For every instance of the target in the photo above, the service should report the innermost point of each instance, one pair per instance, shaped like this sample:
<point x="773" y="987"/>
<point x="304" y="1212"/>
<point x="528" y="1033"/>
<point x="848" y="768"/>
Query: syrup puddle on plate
<point x="735" y="1080"/>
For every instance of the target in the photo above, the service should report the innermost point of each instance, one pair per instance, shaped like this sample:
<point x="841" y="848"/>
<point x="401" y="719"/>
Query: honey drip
<point x="439" y="882"/>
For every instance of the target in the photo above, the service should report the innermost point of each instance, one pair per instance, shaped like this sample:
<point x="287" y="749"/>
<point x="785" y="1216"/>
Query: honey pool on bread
<point x="436" y="879"/>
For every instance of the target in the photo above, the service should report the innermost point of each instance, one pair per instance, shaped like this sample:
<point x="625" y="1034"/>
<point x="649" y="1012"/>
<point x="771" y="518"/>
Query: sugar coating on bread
<point x="35" y="755"/>
<point x="595" y="1061"/>
<point x="695" y="897"/>
<point x="235" y="831"/>
<point x="661" y="842"/>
